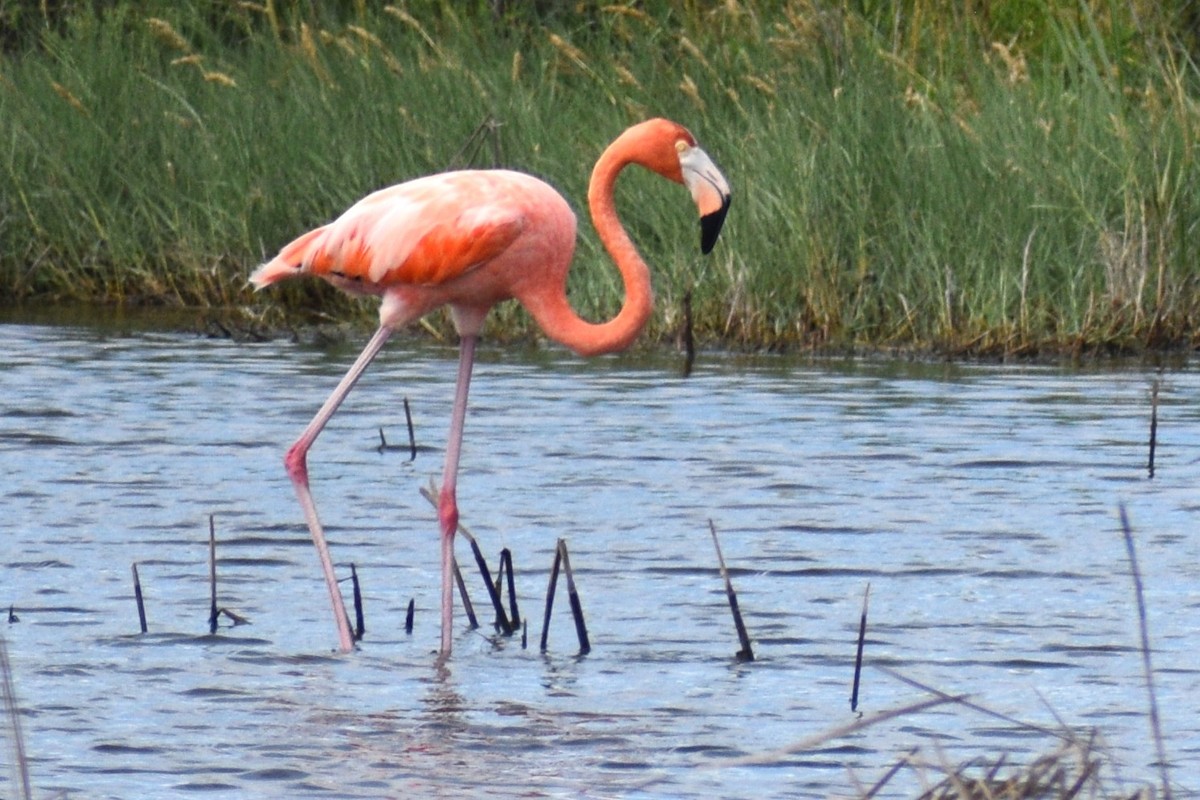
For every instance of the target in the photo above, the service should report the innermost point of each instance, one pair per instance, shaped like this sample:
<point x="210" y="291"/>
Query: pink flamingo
<point x="469" y="240"/>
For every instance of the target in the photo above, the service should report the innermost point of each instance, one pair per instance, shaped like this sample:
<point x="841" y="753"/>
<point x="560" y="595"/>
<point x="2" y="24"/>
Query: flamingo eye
<point x="681" y="146"/>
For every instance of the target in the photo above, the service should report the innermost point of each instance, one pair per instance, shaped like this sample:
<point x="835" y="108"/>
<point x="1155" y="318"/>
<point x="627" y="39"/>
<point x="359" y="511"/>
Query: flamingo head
<point x="669" y="149"/>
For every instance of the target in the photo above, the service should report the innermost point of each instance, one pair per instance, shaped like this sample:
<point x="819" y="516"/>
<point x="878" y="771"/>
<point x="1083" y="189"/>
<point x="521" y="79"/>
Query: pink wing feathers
<point x="424" y="232"/>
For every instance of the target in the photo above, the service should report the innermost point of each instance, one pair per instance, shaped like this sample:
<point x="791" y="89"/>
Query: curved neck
<point x="559" y="320"/>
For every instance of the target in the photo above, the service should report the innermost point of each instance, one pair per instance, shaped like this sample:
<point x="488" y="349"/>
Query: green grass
<point x="1000" y="183"/>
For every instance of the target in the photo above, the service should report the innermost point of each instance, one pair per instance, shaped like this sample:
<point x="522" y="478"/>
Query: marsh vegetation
<point x="1008" y="178"/>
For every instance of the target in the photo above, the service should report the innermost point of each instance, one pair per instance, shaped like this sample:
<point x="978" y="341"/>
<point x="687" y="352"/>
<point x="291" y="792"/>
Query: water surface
<point x="979" y="502"/>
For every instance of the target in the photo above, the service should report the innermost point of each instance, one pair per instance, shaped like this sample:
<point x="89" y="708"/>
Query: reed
<point x="360" y="627"/>
<point x="12" y="712"/>
<point x="858" y="653"/>
<point x="746" y="653"/>
<point x="906" y="175"/>
<point x="214" y="613"/>
<point x="503" y="624"/>
<point x="137" y="596"/>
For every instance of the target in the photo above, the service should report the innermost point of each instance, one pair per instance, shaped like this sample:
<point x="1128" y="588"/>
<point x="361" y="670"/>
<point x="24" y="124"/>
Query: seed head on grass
<point x="365" y="35"/>
<point x="71" y="99"/>
<point x="628" y="12"/>
<point x="689" y="47"/>
<point x="167" y="35"/>
<point x="689" y="88"/>
<point x="625" y="77"/>
<point x="415" y="24"/>
<point x="763" y="85"/>
<point x="219" y="78"/>
<point x="569" y="51"/>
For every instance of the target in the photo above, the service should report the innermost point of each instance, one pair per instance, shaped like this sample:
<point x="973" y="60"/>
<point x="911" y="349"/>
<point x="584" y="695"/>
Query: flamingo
<point x="468" y="240"/>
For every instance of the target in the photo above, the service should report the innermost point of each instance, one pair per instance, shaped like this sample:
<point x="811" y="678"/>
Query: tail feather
<point x="291" y="261"/>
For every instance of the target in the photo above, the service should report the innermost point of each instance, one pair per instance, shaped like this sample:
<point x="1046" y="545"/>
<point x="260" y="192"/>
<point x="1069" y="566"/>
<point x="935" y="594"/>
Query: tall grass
<point x="905" y="174"/>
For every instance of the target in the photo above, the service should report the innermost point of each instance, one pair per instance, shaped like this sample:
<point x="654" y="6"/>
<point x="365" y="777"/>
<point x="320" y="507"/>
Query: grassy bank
<point x="905" y="174"/>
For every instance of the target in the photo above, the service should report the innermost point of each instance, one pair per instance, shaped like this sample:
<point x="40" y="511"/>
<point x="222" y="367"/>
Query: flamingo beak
<point x="710" y="191"/>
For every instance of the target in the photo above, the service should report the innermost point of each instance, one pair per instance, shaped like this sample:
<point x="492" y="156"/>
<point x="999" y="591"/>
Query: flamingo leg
<point x="447" y="498"/>
<point x="296" y="462"/>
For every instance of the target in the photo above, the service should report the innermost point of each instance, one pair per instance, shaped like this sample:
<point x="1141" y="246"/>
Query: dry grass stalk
<point x="9" y="698"/>
<point x="1072" y="770"/>
<point x="1148" y="667"/>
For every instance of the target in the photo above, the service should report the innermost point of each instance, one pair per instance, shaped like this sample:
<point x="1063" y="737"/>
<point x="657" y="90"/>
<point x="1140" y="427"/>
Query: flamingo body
<point x="468" y="240"/>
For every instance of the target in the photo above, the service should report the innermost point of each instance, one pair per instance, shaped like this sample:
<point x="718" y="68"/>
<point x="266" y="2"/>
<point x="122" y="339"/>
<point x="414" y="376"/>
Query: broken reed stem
<point x="10" y="708"/>
<point x="858" y="658"/>
<point x="412" y="439"/>
<point x="1147" y="666"/>
<point x="137" y="595"/>
<point x="359" y="626"/>
<point x="506" y="571"/>
<point x="689" y="340"/>
<point x="585" y="646"/>
<point x="501" y="618"/>
<point x="550" y="594"/>
<point x="887" y="776"/>
<point x="747" y="652"/>
<point x="466" y="598"/>
<point x="1153" y="424"/>
<point x="212" y="574"/>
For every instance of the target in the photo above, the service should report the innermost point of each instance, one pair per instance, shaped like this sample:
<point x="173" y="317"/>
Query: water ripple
<point x="978" y="503"/>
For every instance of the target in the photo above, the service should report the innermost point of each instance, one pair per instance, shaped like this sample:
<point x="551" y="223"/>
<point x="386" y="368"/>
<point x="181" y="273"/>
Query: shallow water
<point x="979" y="503"/>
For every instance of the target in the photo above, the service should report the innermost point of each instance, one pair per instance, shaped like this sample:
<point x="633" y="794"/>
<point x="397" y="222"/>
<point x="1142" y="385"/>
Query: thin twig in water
<point x="359" y="626"/>
<point x="858" y="656"/>
<point x="747" y="652"/>
<point x="1155" y="724"/>
<point x="1153" y="425"/>
<point x="502" y="622"/>
<point x="689" y="339"/>
<point x="585" y="645"/>
<point x="10" y="708"/>
<point x="506" y="571"/>
<point x="550" y="595"/>
<point x="468" y="606"/>
<point x="137" y="595"/>
<point x="412" y="438"/>
<point x="234" y="617"/>
<point x="212" y="574"/>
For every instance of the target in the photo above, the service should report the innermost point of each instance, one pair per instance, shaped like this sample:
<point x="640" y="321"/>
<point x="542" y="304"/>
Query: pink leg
<point x="447" y="501"/>
<point x="296" y="462"/>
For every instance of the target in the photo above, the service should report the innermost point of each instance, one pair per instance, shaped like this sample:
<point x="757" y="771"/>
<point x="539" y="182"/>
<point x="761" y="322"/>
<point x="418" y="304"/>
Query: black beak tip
<point x="710" y="227"/>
